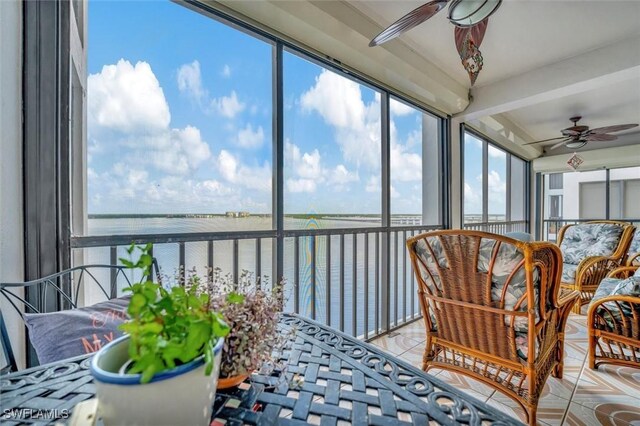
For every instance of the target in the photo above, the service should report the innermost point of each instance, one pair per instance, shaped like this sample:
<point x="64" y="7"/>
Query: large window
<point x="332" y="150"/>
<point x="496" y="187"/>
<point x="624" y="196"/>
<point x="179" y="122"/>
<point x="228" y="147"/>
<point x="415" y="172"/>
<point x="582" y="195"/>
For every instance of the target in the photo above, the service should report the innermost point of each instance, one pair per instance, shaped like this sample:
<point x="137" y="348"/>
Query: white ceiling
<point x="521" y="36"/>
<point x="617" y="103"/>
<point x="537" y="35"/>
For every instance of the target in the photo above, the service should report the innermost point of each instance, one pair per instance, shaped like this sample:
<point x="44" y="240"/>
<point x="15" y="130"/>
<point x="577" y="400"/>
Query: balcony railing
<point x="499" y="227"/>
<point x="358" y="280"/>
<point x="551" y="227"/>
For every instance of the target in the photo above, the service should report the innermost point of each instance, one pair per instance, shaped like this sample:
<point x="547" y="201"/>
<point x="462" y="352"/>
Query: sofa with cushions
<point x="590" y="251"/>
<point x="614" y="319"/>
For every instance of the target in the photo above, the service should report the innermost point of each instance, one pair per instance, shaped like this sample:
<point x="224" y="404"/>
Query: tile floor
<point x="607" y="396"/>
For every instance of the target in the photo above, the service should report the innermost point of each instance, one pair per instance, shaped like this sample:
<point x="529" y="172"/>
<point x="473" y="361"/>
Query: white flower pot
<point x="181" y="396"/>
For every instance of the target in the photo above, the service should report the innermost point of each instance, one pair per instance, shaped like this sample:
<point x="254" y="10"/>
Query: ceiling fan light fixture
<point x="467" y="13"/>
<point x="575" y="144"/>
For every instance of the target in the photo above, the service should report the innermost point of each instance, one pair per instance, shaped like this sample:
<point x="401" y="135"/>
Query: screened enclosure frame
<point x="486" y="142"/>
<point x="61" y="179"/>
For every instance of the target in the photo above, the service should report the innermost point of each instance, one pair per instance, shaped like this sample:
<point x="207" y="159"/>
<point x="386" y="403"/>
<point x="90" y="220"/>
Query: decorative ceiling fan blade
<point x="546" y="140"/>
<point x="467" y="41"/>
<point x="599" y="137"/>
<point x="476" y="33"/>
<point x="612" y="129"/>
<point x="408" y="21"/>
<point x="478" y="30"/>
<point x="558" y="145"/>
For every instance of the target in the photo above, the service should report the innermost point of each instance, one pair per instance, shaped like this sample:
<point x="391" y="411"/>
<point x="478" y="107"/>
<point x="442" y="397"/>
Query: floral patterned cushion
<point x="507" y="260"/>
<point x="589" y="239"/>
<point x="635" y="243"/>
<point x="569" y="273"/>
<point x="615" y="286"/>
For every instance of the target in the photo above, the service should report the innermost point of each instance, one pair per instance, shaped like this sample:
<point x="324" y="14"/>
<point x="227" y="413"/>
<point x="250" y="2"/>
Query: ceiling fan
<point x="470" y="18"/>
<point x="575" y="137"/>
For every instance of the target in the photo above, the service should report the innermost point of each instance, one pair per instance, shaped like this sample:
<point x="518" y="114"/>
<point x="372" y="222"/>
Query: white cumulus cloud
<point x="400" y="108"/>
<point x="356" y="124"/>
<point x="340" y="175"/>
<point x="228" y="106"/>
<point x="226" y="71"/>
<point x="250" y="138"/>
<point x="127" y="98"/>
<point x="190" y="81"/>
<point x="234" y="171"/>
<point x="301" y="185"/>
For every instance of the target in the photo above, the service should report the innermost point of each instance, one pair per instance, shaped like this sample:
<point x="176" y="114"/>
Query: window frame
<point x="486" y="141"/>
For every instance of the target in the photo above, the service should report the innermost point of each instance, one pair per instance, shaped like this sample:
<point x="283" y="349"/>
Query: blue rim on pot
<point x="104" y="376"/>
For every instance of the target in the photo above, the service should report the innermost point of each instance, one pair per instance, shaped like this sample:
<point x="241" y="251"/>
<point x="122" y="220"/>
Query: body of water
<point x="341" y="297"/>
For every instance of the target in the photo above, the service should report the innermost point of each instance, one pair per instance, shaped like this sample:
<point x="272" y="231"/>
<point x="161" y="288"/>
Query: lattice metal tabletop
<point x="329" y="378"/>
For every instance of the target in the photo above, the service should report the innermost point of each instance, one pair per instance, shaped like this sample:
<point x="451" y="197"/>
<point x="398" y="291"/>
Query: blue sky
<point x="473" y="178"/>
<point x="180" y="121"/>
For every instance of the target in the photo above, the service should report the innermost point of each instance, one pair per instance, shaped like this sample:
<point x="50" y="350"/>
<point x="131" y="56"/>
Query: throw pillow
<point x="64" y="334"/>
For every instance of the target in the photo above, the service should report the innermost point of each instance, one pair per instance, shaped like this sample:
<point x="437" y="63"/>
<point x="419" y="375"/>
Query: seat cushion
<point x="613" y="287"/>
<point x="569" y="273"/>
<point x="64" y="334"/>
<point x="588" y="240"/>
<point x="635" y="243"/>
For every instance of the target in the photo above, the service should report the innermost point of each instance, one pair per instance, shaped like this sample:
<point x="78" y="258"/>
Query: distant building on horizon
<point x="237" y="214"/>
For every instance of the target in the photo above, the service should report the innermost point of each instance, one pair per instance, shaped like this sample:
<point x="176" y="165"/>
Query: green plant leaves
<point x="234" y="297"/>
<point x="167" y="327"/>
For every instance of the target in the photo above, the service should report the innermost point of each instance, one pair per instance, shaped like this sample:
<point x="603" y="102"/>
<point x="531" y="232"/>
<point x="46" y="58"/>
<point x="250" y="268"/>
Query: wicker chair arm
<point x="593" y="269"/>
<point x="623" y="325"/>
<point x="622" y="272"/>
<point x="633" y="257"/>
<point x="549" y="253"/>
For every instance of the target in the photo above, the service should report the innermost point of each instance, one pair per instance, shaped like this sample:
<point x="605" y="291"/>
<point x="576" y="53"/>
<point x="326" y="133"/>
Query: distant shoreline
<point x="216" y="215"/>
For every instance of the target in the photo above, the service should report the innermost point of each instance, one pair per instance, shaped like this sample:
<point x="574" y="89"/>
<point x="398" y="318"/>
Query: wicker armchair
<point x="633" y="255"/>
<point x="492" y="311"/>
<point x="614" y="321"/>
<point x="590" y="251"/>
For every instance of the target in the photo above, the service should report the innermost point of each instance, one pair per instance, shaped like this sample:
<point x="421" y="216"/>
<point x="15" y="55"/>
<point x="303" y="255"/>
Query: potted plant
<point x="252" y="311"/>
<point x="164" y="371"/>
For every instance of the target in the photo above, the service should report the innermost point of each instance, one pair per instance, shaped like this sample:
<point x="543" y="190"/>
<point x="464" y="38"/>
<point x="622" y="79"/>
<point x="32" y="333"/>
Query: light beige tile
<point x="575" y="330"/>
<point x="396" y="344"/>
<point x="551" y="408"/>
<point x="465" y="383"/>
<point x="576" y="348"/>
<point x="511" y="410"/>
<point x="573" y="367"/>
<point x="609" y="390"/>
<point x="414" y="356"/>
<point x="416" y="331"/>
<point x="579" y="415"/>
<point x="562" y="388"/>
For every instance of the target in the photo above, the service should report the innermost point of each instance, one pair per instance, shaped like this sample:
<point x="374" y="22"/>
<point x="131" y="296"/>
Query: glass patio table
<point x="328" y="378"/>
